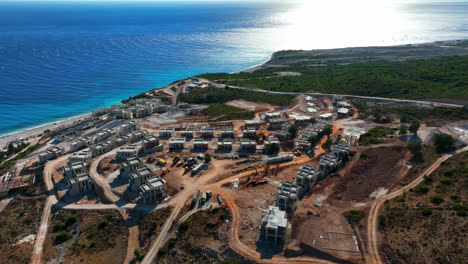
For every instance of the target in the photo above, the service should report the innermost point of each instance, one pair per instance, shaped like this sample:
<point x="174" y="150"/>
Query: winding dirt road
<point x="373" y="256"/>
<point x="109" y="195"/>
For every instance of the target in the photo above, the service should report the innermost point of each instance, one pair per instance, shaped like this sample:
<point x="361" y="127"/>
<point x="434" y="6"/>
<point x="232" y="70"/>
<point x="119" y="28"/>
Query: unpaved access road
<point x="373" y="256"/>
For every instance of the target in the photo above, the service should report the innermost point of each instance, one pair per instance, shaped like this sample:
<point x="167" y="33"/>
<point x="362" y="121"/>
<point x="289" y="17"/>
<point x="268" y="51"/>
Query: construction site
<point x="293" y="184"/>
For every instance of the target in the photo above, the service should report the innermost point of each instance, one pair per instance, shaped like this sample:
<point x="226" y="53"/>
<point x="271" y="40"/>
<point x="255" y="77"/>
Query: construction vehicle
<point x="162" y="162"/>
<point x="257" y="181"/>
<point x="176" y="159"/>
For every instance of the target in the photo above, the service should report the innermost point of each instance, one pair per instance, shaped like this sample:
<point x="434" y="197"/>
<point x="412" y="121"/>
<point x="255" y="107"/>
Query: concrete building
<point x="122" y="140"/>
<point x="80" y="184"/>
<point x="276" y="123"/>
<point x="342" y="104"/>
<point x="150" y="143"/>
<point x="248" y="144"/>
<point x="288" y="193"/>
<point x="200" y="143"/>
<point x="249" y="132"/>
<point x="102" y="135"/>
<point x="341" y="150"/>
<point x="302" y="144"/>
<point x="188" y="132"/>
<point x="206" y="132"/>
<point x="282" y="135"/>
<point x="225" y="144"/>
<point x="273" y="115"/>
<point x="138" y="135"/>
<point x="101" y="148"/>
<point x="166" y="132"/>
<point x="154" y="190"/>
<point x="139" y="177"/>
<point x="300" y="120"/>
<point x="271" y="140"/>
<point x="127" y="152"/>
<point x="50" y="154"/>
<point x="343" y="112"/>
<point x="274" y="224"/>
<point x="307" y="177"/>
<point x="129" y="166"/>
<point x="80" y="143"/>
<point x="177" y="143"/>
<point x="74" y="169"/>
<point x="252" y="123"/>
<point x="329" y="163"/>
<point x="81" y="156"/>
<point x="227" y="132"/>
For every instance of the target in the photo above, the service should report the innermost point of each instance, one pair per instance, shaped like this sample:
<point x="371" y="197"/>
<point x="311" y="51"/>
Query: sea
<point x="60" y="59"/>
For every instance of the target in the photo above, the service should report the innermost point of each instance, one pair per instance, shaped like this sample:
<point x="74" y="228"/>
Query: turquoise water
<point x="59" y="60"/>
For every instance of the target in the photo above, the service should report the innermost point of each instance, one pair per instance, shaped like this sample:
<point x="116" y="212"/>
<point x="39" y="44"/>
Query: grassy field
<point x="429" y="224"/>
<point x="441" y="78"/>
<point x="207" y="96"/>
<point x="222" y="112"/>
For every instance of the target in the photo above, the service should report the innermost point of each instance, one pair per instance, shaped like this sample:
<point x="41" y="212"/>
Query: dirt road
<point x="51" y="200"/>
<point x="100" y="181"/>
<point x="373" y="256"/>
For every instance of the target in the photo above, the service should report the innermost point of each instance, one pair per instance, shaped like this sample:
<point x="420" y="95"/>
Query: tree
<point x="414" y="147"/>
<point x="312" y="120"/>
<point x="293" y="131"/>
<point x="413" y="128"/>
<point x="313" y="140"/>
<point x="403" y="129"/>
<point x="207" y="158"/>
<point x="404" y="119"/>
<point x="444" y="143"/>
<point x="326" y="131"/>
<point x="328" y="143"/>
<point x="273" y="149"/>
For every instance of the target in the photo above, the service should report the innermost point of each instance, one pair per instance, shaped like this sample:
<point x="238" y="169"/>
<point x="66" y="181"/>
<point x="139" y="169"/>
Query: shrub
<point x="427" y="178"/>
<point x="103" y="224"/>
<point x="223" y="216"/>
<point x="184" y="226"/>
<point x="449" y="172"/>
<point x="138" y="254"/>
<point x="421" y="189"/>
<point x="92" y="244"/>
<point x="401" y="200"/>
<point x="454" y="196"/>
<point x="437" y="199"/>
<point x="426" y="212"/>
<point x="414" y="147"/>
<point x="64" y="236"/>
<point x="382" y="220"/>
<point x="59" y="227"/>
<point x="163" y="251"/>
<point x="71" y="220"/>
<point x="92" y="234"/>
<point x="459" y="206"/>
<point x="207" y="158"/>
<point x="171" y="243"/>
<point x="363" y="156"/>
<point x="355" y="215"/>
<point x="273" y="149"/>
<point x="231" y="261"/>
<point x="461" y="213"/>
<point x="446" y="181"/>
<point x="444" y="143"/>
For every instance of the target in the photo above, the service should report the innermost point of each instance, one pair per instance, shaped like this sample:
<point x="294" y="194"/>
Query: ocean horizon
<point x="60" y="60"/>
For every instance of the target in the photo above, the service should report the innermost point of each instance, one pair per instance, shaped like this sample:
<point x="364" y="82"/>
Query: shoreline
<point x="34" y="131"/>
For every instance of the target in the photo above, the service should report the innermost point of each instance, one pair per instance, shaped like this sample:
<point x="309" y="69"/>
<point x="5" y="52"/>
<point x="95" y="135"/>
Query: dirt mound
<point x="377" y="167"/>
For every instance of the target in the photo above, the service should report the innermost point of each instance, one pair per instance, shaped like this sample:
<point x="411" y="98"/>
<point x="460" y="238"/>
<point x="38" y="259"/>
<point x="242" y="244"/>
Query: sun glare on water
<point x="339" y="23"/>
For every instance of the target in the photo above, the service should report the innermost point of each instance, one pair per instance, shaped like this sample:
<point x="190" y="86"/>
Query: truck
<point x="199" y="167"/>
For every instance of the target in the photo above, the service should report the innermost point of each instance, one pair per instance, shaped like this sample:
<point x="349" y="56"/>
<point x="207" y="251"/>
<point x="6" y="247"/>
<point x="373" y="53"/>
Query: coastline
<point x="28" y="133"/>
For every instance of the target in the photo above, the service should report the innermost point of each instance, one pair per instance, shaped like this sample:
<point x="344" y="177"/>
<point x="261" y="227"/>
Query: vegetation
<point x="222" y="112"/>
<point x="273" y="149"/>
<point x="208" y="96"/>
<point x="139" y="256"/>
<point x="184" y="226"/>
<point x="424" y="79"/>
<point x="292" y="131"/>
<point x="64" y="236"/>
<point x="414" y="147"/>
<point x="409" y="112"/>
<point x="432" y="216"/>
<point x="376" y="135"/>
<point x="207" y="158"/>
<point x="355" y="215"/>
<point x="414" y="127"/>
<point x="444" y="143"/>
<point x="7" y="164"/>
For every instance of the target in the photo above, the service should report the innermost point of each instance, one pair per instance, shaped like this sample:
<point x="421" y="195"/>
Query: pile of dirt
<point x="94" y="237"/>
<point x="377" y="167"/>
<point x="19" y="220"/>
